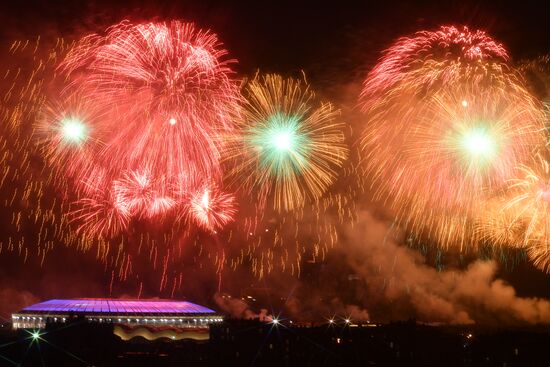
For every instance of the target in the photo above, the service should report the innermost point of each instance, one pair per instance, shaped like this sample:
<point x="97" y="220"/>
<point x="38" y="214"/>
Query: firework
<point x="448" y="122"/>
<point x="141" y="195"/>
<point x="37" y="223"/>
<point x="211" y="208"/>
<point x="288" y="146"/>
<point x="132" y="195"/>
<point x="162" y="98"/>
<point x="529" y="200"/>
<point x="100" y="216"/>
<point x="499" y="224"/>
<point x="64" y="133"/>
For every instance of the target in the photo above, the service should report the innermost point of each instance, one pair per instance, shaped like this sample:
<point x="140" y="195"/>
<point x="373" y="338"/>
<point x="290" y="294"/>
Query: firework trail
<point x="32" y="216"/>
<point x="447" y="123"/>
<point x="288" y="146"/>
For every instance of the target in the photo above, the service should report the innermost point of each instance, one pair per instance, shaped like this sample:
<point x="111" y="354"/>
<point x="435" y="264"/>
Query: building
<point x="150" y="319"/>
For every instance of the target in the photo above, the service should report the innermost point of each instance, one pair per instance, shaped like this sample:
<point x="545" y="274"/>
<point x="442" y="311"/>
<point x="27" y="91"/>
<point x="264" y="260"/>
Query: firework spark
<point x="211" y="208"/>
<point x="99" y="216"/>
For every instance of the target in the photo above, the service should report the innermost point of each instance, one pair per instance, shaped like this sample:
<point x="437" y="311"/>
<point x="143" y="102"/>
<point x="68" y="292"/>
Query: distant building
<point x="150" y="319"/>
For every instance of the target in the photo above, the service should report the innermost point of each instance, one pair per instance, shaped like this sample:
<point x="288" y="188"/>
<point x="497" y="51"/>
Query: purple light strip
<point x="101" y="305"/>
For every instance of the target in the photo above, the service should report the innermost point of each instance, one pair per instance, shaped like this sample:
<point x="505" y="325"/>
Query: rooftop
<point x="117" y="306"/>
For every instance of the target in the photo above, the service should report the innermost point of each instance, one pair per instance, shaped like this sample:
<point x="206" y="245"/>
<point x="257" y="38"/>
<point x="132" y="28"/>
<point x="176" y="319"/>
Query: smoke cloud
<point x="401" y="285"/>
<point x="238" y="308"/>
<point x="12" y="300"/>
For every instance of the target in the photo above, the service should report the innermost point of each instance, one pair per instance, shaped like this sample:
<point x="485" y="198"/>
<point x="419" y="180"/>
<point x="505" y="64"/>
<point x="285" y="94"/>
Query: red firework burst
<point x="163" y="97"/>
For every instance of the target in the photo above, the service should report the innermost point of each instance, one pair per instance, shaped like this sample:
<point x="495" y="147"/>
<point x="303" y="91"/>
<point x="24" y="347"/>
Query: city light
<point x="35" y="335"/>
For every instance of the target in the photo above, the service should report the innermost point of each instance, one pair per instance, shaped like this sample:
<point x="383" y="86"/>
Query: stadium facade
<point x="147" y="318"/>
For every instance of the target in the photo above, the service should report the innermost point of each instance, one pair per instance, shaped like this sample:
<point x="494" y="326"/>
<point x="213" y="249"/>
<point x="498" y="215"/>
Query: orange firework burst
<point x="448" y="121"/>
<point x="288" y="146"/>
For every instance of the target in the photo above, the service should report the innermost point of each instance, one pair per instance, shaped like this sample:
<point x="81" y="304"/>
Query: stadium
<point x="150" y="319"/>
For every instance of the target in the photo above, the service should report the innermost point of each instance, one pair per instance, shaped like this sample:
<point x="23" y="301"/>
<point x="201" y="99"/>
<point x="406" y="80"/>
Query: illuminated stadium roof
<point x="116" y="311"/>
<point x="116" y="306"/>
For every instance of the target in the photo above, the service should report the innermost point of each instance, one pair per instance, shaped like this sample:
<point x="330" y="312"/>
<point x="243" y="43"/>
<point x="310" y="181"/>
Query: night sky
<point x="335" y="44"/>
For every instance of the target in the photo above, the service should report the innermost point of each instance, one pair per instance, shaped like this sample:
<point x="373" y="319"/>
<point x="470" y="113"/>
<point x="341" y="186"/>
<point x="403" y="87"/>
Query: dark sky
<point x="335" y="42"/>
<point x="288" y="35"/>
